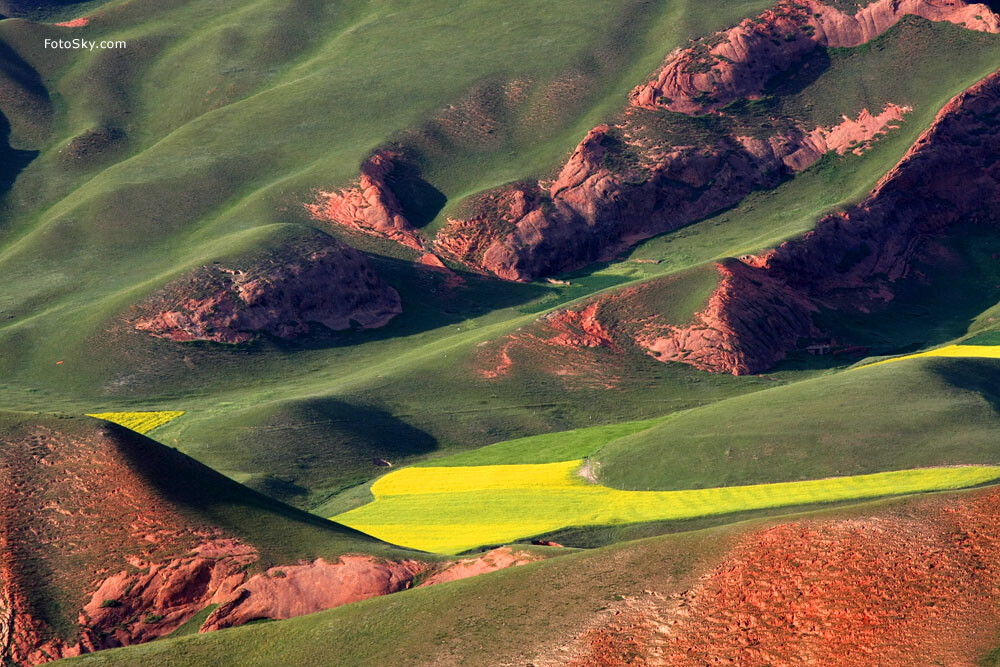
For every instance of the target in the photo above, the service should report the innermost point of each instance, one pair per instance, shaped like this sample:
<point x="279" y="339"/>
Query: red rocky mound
<point x="312" y="280"/>
<point x="852" y="261"/>
<point x="110" y="539"/>
<point x="371" y="206"/>
<point x="601" y="204"/>
<point x="914" y="585"/>
<point x="737" y="63"/>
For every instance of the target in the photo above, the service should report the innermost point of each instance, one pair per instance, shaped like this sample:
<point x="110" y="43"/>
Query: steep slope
<point x="108" y="539"/>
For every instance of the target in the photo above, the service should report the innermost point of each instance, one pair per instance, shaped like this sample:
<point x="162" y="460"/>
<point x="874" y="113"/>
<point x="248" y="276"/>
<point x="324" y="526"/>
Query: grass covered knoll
<point x="943" y="412"/>
<point x="542" y="606"/>
<point x="548" y="447"/>
<point x="83" y="498"/>
<point x="454" y="509"/>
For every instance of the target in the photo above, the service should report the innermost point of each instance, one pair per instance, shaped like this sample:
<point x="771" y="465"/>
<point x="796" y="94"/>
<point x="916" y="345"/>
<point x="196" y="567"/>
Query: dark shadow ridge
<point x="12" y="160"/>
<point x="294" y="448"/>
<point x="192" y="487"/>
<point x="420" y="201"/>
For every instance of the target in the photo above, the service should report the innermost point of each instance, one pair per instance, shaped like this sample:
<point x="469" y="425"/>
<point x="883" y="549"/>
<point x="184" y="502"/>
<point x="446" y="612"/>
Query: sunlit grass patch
<point x="451" y="509"/>
<point x="954" y="351"/>
<point x="140" y="422"/>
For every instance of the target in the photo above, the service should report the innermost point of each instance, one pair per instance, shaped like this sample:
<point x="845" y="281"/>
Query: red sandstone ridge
<point x="312" y="280"/>
<point x="914" y="584"/>
<point x="370" y="207"/>
<point x="738" y="62"/>
<point x="851" y="261"/>
<point x="619" y="187"/>
<point x="74" y="23"/>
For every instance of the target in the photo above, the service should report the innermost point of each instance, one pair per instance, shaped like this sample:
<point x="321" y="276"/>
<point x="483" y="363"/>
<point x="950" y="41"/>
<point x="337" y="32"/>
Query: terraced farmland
<point x="453" y="509"/>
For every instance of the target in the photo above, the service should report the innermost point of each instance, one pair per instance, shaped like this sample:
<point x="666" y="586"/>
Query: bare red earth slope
<point x="109" y="539"/>
<point x="912" y="583"/>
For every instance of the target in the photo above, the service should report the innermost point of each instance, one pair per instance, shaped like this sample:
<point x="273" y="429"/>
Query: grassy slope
<point x="210" y="163"/>
<point x="839" y="424"/>
<point x="541" y="605"/>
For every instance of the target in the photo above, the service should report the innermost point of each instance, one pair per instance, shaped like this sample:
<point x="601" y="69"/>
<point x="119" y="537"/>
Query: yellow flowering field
<point x="960" y="351"/>
<point x="140" y="422"/>
<point x="451" y="509"/>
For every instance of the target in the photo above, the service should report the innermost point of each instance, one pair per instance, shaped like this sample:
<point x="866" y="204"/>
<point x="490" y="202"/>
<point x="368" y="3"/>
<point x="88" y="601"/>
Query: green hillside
<point x="839" y="424"/>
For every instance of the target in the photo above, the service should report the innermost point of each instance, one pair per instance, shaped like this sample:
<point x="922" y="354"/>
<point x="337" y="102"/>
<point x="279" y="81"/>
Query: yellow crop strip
<point x="957" y="351"/>
<point x="140" y="422"/>
<point x="451" y="509"/>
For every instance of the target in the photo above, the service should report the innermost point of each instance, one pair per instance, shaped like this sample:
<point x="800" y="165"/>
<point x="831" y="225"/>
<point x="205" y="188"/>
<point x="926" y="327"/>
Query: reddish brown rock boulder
<point x="313" y="280"/>
<point x="738" y="62"/>
<point x="390" y="200"/>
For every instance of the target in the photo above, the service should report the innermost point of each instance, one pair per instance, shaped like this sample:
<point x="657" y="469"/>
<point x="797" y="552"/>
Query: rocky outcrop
<point x="314" y="280"/>
<point x="293" y="590"/>
<point x="852" y="261"/>
<point x="390" y="200"/>
<point x="737" y="63"/>
<point x="595" y="208"/>
<point x="749" y="324"/>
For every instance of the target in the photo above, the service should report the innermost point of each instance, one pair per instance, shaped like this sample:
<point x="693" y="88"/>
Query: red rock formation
<point x="900" y="586"/>
<point x="317" y="280"/>
<point x="293" y="590"/>
<point x="851" y="261"/>
<point x="592" y="211"/>
<point x="83" y="523"/>
<point x="369" y="207"/>
<point x="738" y="62"/>
<point x="74" y="23"/>
<point x="750" y="322"/>
<point x="497" y="559"/>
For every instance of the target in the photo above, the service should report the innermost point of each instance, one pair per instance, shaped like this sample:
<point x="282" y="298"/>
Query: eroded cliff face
<point x="619" y="188"/>
<point x="737" y="63"/>
<point x="371" y="206"/>
<point x="316" y="280"/>
<point x="852" y="261"/>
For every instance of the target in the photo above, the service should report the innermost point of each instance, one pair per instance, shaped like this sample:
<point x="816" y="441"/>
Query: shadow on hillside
<point x="12" y="160"/>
